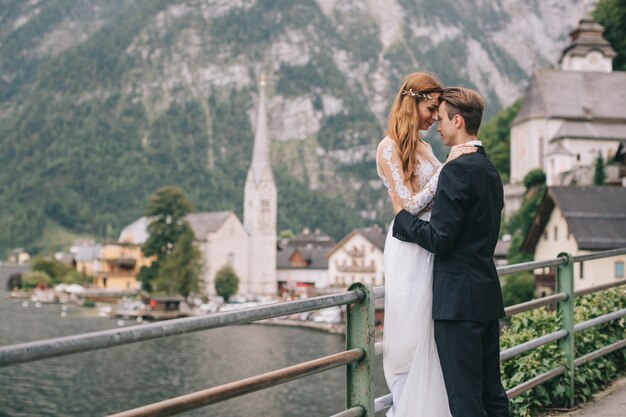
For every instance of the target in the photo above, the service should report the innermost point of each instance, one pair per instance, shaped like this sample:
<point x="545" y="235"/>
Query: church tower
<point x="259" y="212"/>
<point x="588" y="51"/>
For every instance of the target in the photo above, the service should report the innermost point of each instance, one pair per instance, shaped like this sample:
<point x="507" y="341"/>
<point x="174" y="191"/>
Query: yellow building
<point x="579" y="220"/>
<point x="119" y="264"/>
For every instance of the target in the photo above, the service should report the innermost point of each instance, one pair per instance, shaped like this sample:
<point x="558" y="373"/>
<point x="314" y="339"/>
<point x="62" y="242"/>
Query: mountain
<point x="103" y="102"/>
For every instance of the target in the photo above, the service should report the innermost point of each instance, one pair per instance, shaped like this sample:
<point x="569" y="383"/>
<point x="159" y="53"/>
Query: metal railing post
<point x="360" y="334"/>
<point x="565" y="311"/>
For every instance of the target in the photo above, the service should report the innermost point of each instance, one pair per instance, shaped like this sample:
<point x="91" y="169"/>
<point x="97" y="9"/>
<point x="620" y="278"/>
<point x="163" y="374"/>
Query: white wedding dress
<point x="410" y="358"/>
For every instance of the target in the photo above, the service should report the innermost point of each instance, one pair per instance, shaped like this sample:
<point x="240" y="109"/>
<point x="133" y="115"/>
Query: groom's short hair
<point x="466" y="103"/>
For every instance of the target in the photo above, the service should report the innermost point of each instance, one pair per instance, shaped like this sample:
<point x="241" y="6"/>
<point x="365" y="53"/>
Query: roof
<point x="86" y="252"/>
<point x="559" y="149"/>
<point x="207" y="222"/>
<point x="374" y="234"/>
<point x="315" y="239"/>
<point x="316" y="258"/>
<point x="574" y="95"/>
<point x="201" y="224"/>
<point x="137" y="229"/>
<point x="591" y="130"/>
<point x="587" y="37"/>
<point x="595" y="216"/>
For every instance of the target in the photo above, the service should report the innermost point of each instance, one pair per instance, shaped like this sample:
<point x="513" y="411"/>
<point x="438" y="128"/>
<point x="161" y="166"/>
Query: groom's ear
<point x="458" y="121"/>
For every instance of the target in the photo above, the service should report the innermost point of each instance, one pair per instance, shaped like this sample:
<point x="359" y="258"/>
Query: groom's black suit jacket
<point x="462" y="233"/>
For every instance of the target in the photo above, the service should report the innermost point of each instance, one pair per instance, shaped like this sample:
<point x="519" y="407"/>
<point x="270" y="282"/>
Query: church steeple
<point x="588" y="50"/>
<point x="260" y="167"/>
<point x="260" y="209"/>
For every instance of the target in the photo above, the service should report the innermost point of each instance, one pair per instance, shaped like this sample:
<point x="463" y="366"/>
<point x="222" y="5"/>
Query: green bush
<point x="73" y="277"/>
<point x="534" y="177"/>
<point x="54" y="269"/>
<point x="226" y="282"/>
<point x="518" y="288"/>
<point x="36" y="278"/>
<point x="590" y="378"/>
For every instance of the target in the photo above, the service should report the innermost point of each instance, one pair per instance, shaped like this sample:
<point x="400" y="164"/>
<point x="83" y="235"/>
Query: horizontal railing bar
<point x="378" y="348"/>
<point x="379" y="292"/>
<point x="357" y="411"/>
<point x="42" y="349"/>
<point x="600" y="255"/>
<point x="602" y="287"/>
<point x="214" y="395"/>
<point x="533" y="304"/>
<point x="532" y="383"/>
<point x="545" y="377"/>
<point x="532" y="344"/>
<point x="579" y="327"/>
<point x="600" y="352"/>
<point x="529" y="266"/>
<point x="383" y="402"/>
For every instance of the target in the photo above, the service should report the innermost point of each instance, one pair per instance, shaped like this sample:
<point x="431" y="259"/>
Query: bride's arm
<point x="389" y="167"/>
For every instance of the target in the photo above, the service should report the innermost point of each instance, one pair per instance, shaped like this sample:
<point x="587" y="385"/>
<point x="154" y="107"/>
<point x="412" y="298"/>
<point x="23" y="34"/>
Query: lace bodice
<point x="416" y="193"/>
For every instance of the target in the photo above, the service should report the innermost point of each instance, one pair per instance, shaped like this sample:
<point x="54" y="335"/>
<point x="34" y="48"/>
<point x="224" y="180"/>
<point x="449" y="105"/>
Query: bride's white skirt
<point x="410" y="358"/>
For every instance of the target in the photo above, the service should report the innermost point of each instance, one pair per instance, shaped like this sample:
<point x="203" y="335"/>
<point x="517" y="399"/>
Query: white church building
<point x="572" y="113"/>
<point x="249" y="248"/>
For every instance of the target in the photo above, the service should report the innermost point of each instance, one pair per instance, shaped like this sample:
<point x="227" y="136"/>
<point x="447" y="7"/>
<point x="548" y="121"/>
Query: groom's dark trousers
<point x="467" y="299"/>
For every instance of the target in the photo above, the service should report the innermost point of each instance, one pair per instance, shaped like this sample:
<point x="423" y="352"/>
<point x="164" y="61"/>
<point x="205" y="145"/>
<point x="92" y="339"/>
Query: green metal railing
<point x="361" y="348"/>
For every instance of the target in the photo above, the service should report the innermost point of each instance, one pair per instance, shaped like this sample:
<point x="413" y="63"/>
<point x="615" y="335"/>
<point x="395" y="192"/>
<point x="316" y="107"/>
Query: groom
<point x="462" y="233"/>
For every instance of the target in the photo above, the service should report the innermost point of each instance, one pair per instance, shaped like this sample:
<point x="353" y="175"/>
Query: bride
<point x="410" y="171"/>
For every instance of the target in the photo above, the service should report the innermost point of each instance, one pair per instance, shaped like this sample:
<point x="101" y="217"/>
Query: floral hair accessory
<point x="418" y="94"/>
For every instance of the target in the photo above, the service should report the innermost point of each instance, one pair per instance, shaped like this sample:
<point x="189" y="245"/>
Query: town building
<point x="119" y="264"/>
<point x="579" y="220"/>
<point x="302" y="264"/>
<point x="248" y="247"/>
<point x="19" y="256"/>
<point x="572" y="113"/>
<point x="86" y="257"/>
<point x="357" y="258"/>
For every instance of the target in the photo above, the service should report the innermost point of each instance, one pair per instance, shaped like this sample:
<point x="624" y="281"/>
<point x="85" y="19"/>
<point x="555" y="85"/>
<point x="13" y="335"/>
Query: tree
<point x="285" y="234"/>
<point x="518" y="288"/>
<point x="54" y="269"/>
<point x="520" y="222"/>
<point x="598" y="174"/>
<point x="179" y="272"/>
<point x="496" y="136"/>
<point x="226" y="282"/>
<point x="73" y="277"/>
<point x="612" y="15"/>
<point x="167" y="208"/>
<point x="35" y="279"/>
<point x="14" y="281"/>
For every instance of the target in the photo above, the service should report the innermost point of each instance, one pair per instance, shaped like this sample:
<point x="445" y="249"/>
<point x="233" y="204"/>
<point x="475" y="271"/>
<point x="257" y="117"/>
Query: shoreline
<point x="332" y="328"/>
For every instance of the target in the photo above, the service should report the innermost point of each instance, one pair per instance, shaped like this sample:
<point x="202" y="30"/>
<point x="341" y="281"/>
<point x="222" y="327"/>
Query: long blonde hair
<point x="403" y="122"/>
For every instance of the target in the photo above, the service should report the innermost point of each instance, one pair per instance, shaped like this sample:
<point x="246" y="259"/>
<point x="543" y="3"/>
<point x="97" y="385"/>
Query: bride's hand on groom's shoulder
<point x="459" y="150"/>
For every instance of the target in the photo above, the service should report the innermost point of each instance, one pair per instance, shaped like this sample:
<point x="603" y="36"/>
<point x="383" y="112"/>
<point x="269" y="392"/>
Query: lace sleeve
<point x="389" y="170"/>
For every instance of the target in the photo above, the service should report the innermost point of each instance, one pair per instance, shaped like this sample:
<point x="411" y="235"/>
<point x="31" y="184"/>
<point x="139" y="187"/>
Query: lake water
<point x="107" y="381"/>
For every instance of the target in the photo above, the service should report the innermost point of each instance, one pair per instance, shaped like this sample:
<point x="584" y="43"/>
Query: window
<point x="265" y="206"/>
<point x="619" y="269"/>
<point x="231" y="259"/>
<point x="556" y="233"/>
<point x="545" y="235"/>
